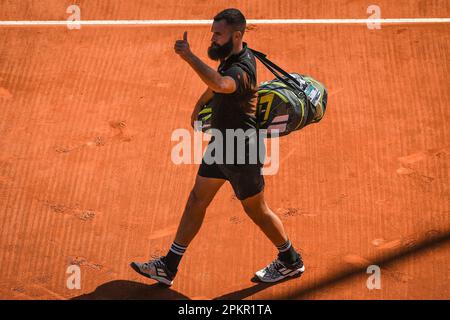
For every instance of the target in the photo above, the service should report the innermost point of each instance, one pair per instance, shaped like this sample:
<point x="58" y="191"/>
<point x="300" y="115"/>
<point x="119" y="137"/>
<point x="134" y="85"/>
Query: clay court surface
<point x="86" y="176"/>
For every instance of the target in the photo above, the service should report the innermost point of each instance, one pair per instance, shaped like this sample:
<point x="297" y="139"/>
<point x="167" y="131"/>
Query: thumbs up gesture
<point x="182" y="47"/>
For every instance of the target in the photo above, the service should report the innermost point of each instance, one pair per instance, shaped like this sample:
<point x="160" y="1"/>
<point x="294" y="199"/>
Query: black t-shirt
<point x="237" y="110"/>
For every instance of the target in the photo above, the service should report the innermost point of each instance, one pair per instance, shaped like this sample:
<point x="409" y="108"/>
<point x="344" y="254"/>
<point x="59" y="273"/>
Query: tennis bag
<point x="286" y="104"/>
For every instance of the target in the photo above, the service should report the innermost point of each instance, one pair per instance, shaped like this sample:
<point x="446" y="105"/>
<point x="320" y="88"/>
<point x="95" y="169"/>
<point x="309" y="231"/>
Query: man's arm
<point x="205" y="97"/>
<point x="209" y="76"/>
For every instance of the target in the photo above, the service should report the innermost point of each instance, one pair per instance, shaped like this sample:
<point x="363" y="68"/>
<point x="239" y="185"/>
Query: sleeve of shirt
<point x="240" y="77"/>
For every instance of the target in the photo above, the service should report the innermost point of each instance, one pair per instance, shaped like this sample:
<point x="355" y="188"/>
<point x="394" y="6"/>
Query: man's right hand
<point x="205" y="97"/>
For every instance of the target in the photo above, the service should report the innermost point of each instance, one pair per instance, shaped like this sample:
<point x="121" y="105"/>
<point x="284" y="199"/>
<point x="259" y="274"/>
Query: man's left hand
<point x="182" y="47"/>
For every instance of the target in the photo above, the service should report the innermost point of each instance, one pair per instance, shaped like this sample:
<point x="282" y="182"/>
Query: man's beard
<point x="216" y="52"/>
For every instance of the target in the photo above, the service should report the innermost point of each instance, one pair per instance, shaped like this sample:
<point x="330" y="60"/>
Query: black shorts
<point x="246" y="179"/>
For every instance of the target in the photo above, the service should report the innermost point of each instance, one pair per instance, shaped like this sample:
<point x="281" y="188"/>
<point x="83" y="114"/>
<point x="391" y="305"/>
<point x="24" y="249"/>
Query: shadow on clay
<point x="131" y="290"/>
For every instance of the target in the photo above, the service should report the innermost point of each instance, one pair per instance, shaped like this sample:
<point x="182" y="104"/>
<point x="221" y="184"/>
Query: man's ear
<point x="237" y="35"/>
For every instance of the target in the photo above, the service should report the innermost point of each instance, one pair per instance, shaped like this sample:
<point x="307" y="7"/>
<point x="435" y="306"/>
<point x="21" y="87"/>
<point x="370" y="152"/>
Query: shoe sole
<point x="294" y="273"/>
<point x="159" y="279"/>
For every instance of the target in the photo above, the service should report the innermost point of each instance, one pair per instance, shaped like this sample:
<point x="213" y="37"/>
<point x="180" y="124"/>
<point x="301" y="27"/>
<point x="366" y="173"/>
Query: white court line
<point x="209" y="22"/>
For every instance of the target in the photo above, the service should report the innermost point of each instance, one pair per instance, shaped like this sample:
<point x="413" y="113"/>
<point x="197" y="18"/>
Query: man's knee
<point x="256" y="212"/>
<point x="196" y="200"/>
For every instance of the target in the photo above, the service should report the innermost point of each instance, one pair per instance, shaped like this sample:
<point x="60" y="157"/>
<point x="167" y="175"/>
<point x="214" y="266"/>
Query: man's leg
<point x="165" y="268"/>
<point x="289" y="262"/>
<point x="199" y="199"/>
<point x="257" y="209"/>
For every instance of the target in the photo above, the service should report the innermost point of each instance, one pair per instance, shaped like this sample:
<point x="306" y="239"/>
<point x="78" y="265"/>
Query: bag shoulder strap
<point x="273" y="68"/>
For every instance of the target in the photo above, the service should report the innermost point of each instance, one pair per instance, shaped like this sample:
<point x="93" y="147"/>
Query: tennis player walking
<point x="232" y="90"/>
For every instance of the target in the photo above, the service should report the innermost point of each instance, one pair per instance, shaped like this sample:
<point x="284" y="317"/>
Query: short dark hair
<point x="234" y="18"/>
